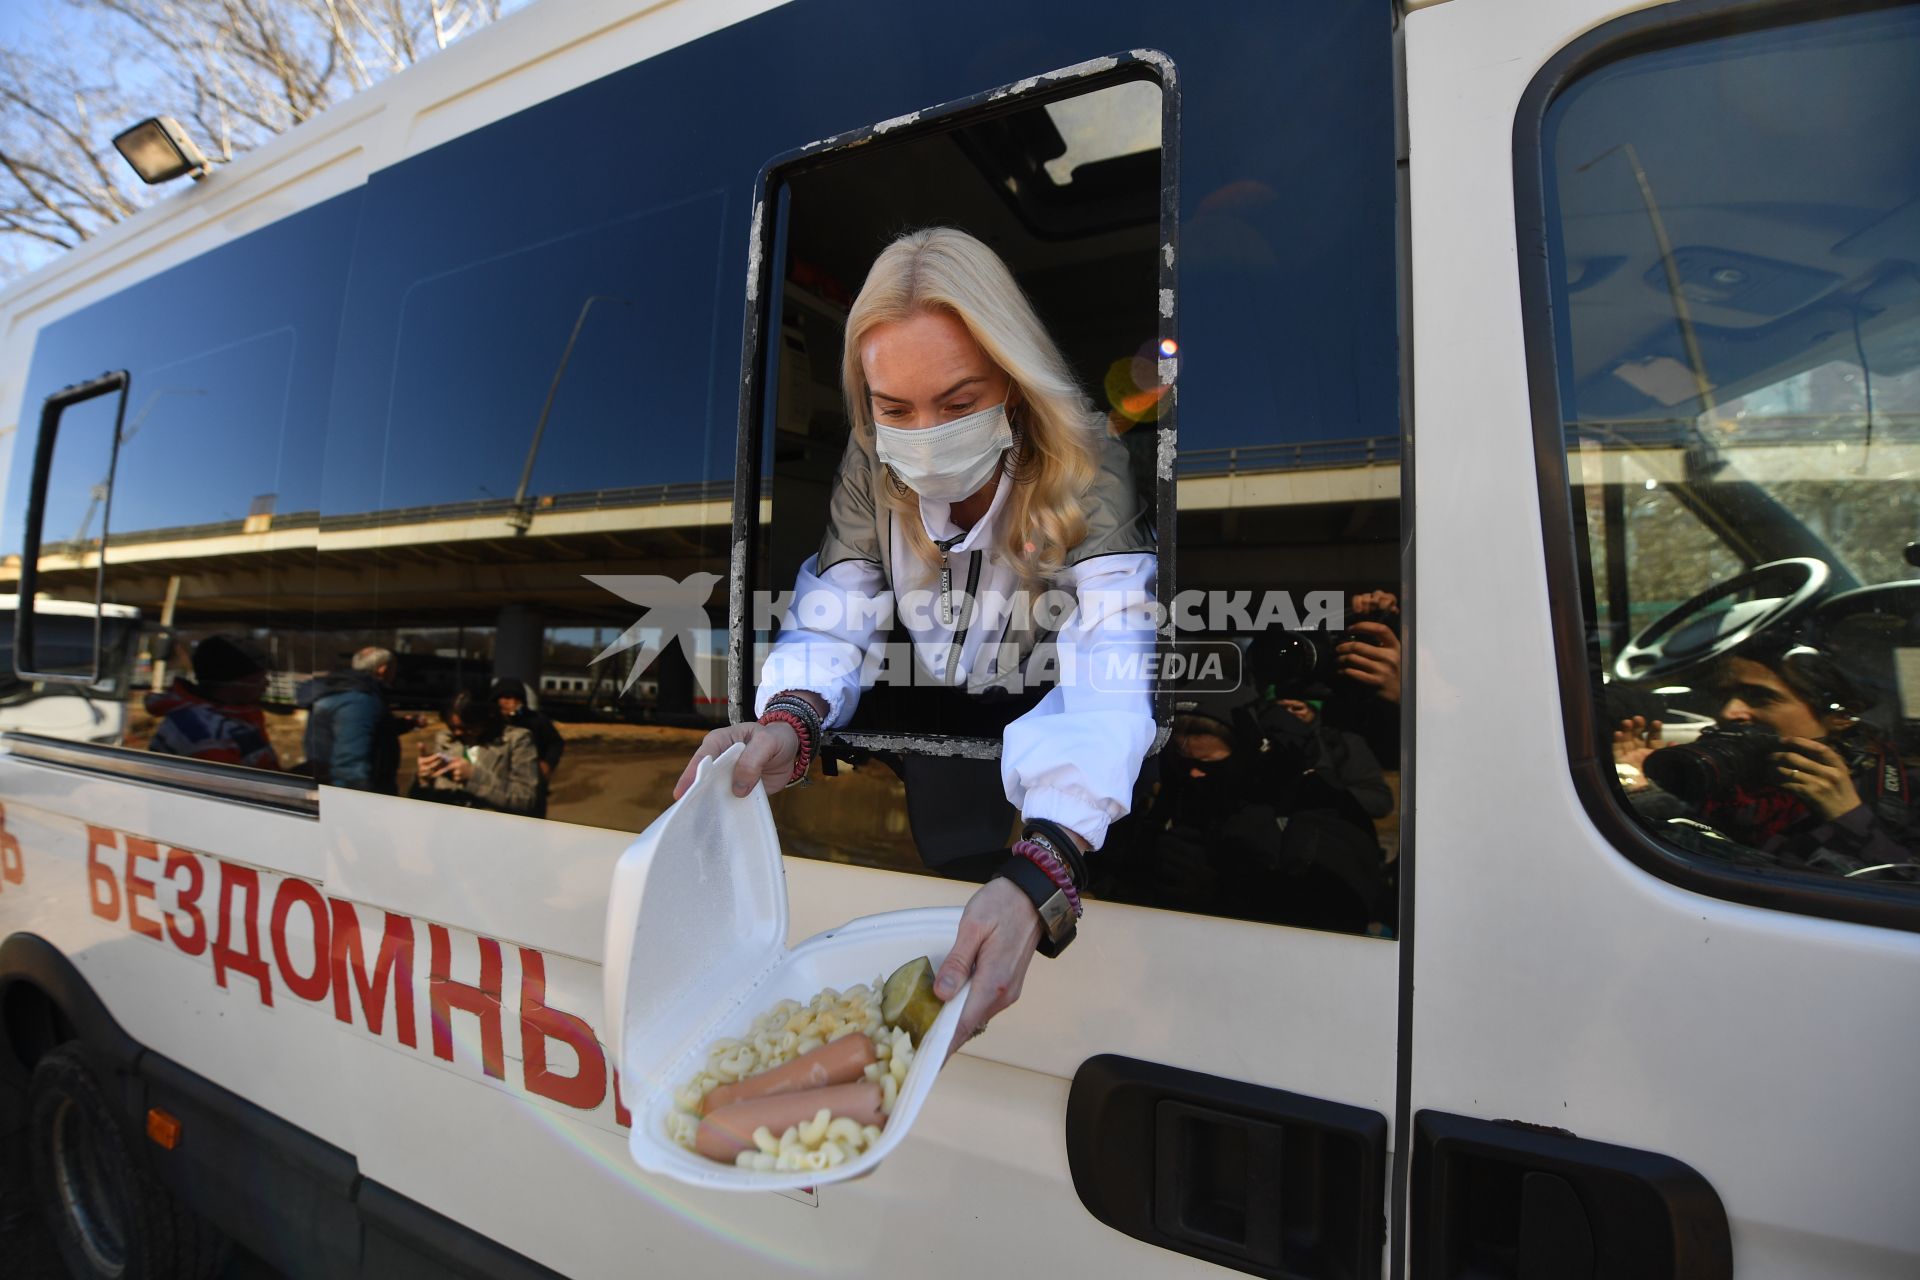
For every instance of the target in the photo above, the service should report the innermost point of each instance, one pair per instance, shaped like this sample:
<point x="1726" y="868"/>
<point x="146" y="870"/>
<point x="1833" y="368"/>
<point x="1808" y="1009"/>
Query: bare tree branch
<point x="237" y="71"/>
<point x="38" y="195"/>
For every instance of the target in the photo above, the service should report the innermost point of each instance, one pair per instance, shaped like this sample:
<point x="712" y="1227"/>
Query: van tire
<point x="111" y="1218"/>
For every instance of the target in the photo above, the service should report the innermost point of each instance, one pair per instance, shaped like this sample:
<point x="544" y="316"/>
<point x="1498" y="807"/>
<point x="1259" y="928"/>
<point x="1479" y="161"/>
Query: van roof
<point x="524" y="58"/>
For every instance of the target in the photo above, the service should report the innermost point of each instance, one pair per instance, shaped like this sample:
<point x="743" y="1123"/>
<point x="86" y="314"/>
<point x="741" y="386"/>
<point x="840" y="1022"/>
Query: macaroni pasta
<point x="780" y="1035"/>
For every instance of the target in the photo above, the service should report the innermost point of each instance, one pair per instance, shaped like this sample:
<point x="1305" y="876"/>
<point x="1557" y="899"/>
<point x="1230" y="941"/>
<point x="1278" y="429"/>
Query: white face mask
<point x="948" y="462"/>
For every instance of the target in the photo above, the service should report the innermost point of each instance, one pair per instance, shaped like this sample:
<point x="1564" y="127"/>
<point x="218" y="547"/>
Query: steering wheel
<point x="1882" y="617"/>
<point x="1718" y="620"/>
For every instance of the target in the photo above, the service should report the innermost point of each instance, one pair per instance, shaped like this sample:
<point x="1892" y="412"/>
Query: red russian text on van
<point x="244" y="882"/>
<point x="444" y="996"/>
<point x="621" y="1116"/>
<point x="13" y="864"/>
<point x="186" y="900"/>
<point x="586" y="1087"/>
<point x="103" y="890"/>
<point x="311" y="985"/>
<point x="138" y="886"/>
<point x="392" y="966"/>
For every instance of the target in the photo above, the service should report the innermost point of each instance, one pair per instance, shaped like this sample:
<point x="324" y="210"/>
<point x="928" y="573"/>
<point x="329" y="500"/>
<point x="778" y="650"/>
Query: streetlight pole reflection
<point x="521" y="517"/>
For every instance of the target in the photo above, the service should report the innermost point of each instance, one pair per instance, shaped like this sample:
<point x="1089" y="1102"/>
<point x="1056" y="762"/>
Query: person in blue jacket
<point x="353" y="739"/>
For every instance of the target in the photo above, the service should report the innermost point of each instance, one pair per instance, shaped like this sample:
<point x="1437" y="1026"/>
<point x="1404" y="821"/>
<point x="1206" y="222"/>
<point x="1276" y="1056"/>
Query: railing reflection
<point x="1303" y="455"/>
<point x="1355" y="451"/>
<point x="1772" y="430"/>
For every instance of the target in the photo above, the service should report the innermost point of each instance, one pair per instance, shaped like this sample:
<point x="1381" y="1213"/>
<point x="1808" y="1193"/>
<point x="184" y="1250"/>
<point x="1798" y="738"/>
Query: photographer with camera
<point x="1371" y="656"/>
<point x="1789" y="769"/>
<point x="1356" y="666"/>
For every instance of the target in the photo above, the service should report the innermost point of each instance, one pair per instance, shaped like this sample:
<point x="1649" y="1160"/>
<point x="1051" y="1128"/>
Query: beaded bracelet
<point x="800" y="730"/>
<point x="789" y="700"/>
<point x="1056" y="870"/>
<point x="1055" y="838"/>
<point x="1067" y="858"/>
<point x="813" y="734"/>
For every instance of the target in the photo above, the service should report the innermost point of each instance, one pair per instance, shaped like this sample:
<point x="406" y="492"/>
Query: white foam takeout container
<point x="696" y="950"/>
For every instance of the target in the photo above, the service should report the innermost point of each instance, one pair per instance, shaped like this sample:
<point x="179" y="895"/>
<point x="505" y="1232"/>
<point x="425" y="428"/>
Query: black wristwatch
<point x="1049" y="899"/>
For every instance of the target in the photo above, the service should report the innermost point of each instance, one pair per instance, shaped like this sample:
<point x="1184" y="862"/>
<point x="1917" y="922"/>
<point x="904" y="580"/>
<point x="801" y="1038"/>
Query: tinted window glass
<point x="532" y="439"/>
<point x="209" y="523"/>
<point x="1737" y="261"/>
<point x="490" y="294"/>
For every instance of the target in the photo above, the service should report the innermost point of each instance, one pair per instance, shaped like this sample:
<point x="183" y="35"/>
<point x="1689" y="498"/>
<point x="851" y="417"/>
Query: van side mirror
<point x="82" y="424"/>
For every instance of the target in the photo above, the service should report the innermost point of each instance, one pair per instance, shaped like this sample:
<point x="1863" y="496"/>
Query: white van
<point x="1587" y="331"/>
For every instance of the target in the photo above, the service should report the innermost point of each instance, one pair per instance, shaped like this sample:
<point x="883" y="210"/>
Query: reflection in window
<point x="210" y="519"/>
<point x="1123" y="120"/>
<point x="540" y="446"/>
<point x="1740" y="374"/>
<point x="202" y="444"/>
<point x="586" y="364"/>
<point x="74" y="640"/>
<point x="78" y="484"/>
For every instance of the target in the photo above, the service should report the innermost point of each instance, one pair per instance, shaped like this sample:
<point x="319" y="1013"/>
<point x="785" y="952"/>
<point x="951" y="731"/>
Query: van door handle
<point x="1260" y="1180"/>
<point x="1502" y="1200"/>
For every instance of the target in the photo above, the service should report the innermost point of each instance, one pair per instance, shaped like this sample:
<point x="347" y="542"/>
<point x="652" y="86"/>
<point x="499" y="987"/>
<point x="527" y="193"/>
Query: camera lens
<point x="1718" y="761"/>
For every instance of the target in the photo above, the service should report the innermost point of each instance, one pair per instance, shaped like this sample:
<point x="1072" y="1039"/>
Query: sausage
<point x="839" y="1062"/>
<point x="729" y="1131"/>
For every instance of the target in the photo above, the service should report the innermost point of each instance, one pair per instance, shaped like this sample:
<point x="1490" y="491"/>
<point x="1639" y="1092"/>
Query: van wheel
<point x="110" y="1217"/>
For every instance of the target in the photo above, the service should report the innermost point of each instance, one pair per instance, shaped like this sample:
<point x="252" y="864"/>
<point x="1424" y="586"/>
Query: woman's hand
<point x="771" y="751"/>
<point x="458" y="770"/>
<point x="1374" y="662"/>
<point x="428" y="765"/>
<point x="998" y="932"/>
<point x="1815" y="772"/>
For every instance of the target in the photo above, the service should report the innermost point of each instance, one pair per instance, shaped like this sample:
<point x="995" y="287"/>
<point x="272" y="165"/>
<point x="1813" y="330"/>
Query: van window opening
<point x="1068" y="190"/>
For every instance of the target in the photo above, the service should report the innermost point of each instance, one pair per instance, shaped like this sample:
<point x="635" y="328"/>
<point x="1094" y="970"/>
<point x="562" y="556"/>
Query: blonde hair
<point x="941" y="269"/>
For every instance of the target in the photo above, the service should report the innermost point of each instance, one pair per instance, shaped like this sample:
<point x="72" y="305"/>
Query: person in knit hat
<point x="216" y="716"/>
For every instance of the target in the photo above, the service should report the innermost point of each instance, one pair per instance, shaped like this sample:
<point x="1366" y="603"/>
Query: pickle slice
<point x="908" y="1001"/>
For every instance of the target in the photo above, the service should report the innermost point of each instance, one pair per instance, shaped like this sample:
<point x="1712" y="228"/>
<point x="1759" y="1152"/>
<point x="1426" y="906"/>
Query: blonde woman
<point x="984" y="521"/>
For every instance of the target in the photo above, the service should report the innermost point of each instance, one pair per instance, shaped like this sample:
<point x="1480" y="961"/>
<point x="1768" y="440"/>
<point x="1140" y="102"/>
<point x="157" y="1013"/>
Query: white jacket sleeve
<point x="835" y="618"/>
<point x="1074" y="757"/>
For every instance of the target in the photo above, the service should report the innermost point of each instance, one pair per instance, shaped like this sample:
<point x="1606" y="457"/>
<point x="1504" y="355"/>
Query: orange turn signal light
<point x="163" y="1128"/>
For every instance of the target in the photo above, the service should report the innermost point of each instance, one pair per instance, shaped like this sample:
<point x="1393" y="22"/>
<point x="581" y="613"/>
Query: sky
<point x="28" y="26"/>
<point x="19" y="18"/>
<point x="25" y="25"/>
